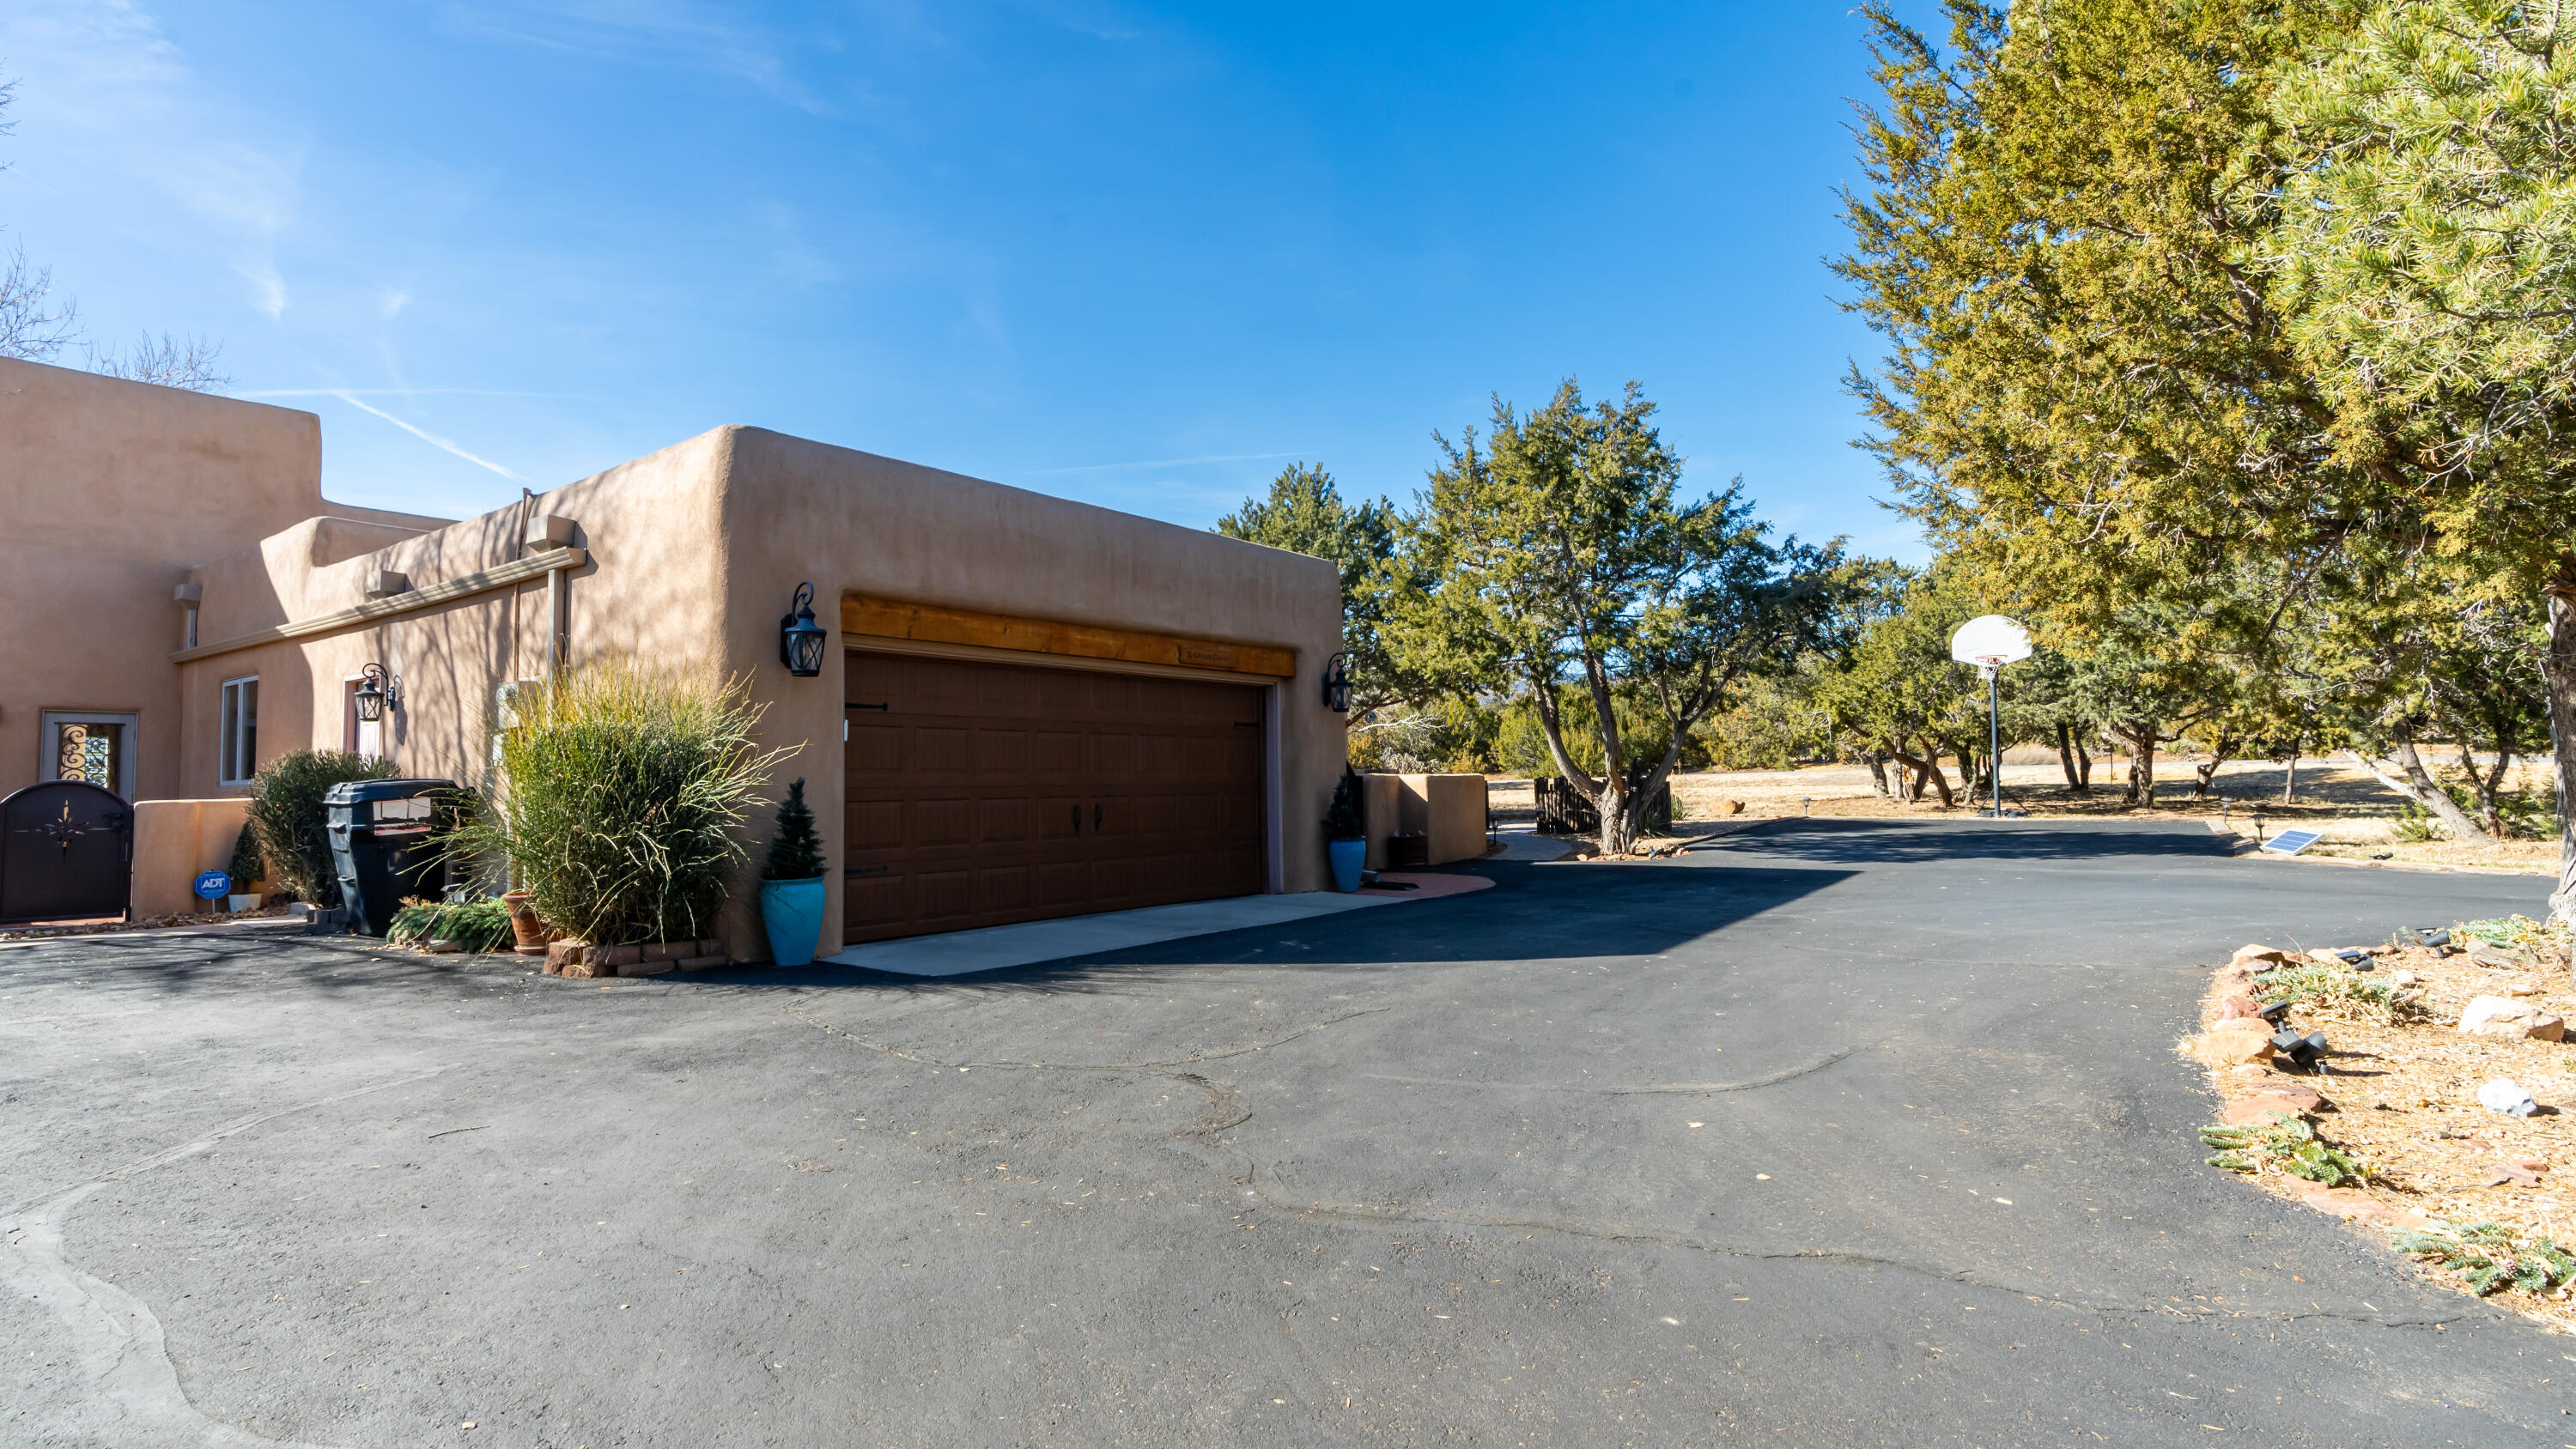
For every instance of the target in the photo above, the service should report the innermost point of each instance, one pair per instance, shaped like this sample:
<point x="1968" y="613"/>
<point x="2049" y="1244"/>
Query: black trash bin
<point x="382" y="847"/>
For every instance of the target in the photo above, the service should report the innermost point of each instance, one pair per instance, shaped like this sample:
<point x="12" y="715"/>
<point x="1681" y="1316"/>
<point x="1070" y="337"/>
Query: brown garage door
<point x="981" y="794"/>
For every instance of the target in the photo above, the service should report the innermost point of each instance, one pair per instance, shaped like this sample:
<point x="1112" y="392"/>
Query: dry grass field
<point x="2359" y="816"/>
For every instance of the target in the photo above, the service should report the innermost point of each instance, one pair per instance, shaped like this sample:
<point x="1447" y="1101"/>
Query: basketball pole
<point x="1994" y="740"/>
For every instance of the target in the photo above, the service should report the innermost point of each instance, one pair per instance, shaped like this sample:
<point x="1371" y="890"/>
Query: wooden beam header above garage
<point x="930" y="623"/>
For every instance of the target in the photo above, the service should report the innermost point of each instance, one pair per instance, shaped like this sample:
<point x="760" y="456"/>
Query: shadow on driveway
<point x="1896" y="842"/>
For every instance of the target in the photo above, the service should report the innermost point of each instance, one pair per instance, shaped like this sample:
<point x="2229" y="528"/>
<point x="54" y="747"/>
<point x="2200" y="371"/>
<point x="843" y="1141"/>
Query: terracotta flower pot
<point x="530" y="931"/>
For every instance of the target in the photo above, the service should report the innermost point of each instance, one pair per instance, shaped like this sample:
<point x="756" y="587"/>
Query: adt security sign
<point x="214" y="885"/>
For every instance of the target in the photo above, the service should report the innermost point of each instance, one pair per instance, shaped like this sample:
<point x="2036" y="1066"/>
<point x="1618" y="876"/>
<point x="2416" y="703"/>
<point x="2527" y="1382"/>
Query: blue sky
<point x="1139" y="255"/>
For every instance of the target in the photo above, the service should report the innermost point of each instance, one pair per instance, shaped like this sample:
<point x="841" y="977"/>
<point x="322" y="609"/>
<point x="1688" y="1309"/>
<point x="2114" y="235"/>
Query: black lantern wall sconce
<point x="1337" y="684"/>
<point x="377" y="692"/>
<point x="800" y="639"/>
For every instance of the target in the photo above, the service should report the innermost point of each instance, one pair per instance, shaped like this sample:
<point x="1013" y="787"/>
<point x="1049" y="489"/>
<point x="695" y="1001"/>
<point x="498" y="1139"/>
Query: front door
<point x="980" y="794"/>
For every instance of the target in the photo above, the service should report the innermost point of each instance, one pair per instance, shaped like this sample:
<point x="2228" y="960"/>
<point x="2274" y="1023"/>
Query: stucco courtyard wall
<point x="175" y="841"/>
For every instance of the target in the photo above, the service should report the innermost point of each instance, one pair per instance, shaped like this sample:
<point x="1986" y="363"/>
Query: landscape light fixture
<point x="1337" y="684"/>
<point x="377" y="692"/>
<point x="800" y="639"/>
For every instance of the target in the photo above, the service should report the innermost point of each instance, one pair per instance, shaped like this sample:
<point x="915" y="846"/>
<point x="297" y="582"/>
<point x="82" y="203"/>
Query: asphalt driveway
<point x="1835" y="1132"/>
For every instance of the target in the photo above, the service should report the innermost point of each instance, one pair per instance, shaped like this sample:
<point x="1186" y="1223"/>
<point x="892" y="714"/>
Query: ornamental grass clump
<point x="616" y="801"/>
<point x="2334" y="991"/>
<point x="482" y="925"/>
<point x="294" y="826"/>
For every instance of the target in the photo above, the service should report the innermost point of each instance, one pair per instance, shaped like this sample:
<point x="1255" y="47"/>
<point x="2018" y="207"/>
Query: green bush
<point x="1344" y="818"/>
<point x="292" y="824"/>
<point x="617" y="801"/>
<point x="246" y="866"/>
<point x="2489" y="1256"/>
<point x="482" y="925"/>
<point x="2284" y="1144"/>
<point x="797" y="852"/>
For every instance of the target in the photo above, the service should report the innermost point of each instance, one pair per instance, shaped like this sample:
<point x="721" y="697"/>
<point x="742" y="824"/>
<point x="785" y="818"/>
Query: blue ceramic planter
<point x="791" y="911"/>
<point x="1349" y="858"/>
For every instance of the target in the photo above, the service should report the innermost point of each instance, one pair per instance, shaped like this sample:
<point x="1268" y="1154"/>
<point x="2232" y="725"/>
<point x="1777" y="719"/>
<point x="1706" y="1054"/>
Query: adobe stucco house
<point x="1029" y="707"/>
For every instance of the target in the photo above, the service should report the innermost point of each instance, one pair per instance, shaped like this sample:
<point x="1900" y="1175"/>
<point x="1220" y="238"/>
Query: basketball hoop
<point x="1991" y="641"/>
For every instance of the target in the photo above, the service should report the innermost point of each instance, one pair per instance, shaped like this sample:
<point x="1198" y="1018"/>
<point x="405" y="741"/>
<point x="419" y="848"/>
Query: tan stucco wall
<point x="110" y="491"/>
<point x="694" y="552"/>
<point x="175" y="841"/>
<point x="1450" y="809"/>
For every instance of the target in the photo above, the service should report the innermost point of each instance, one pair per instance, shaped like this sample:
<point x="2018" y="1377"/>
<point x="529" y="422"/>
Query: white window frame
<point x="50" y="767"/>
<point x="235" y="765"/>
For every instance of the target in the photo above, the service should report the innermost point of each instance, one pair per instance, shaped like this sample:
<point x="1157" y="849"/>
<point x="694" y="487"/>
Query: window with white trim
<point x="239" y="736"/>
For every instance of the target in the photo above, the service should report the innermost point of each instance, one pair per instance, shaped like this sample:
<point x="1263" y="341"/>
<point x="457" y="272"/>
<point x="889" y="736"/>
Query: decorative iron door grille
<point x="66" y="853"/>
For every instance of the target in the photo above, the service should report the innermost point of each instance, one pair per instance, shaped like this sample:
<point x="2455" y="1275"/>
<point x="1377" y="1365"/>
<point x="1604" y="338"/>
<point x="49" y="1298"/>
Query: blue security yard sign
<point x="214" y="885"/>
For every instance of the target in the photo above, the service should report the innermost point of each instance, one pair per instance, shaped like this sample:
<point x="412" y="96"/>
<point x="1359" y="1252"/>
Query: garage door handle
<point x="854" y="704"/>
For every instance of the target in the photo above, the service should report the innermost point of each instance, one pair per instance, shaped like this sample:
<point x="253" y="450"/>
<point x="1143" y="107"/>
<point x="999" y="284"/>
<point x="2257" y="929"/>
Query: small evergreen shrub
<point x="1343" y="818"/>
<point x="618" y="801"/>
<point x="246" y="866"/>
<point x="293" y="825"/>
<point x="797" y="851"/>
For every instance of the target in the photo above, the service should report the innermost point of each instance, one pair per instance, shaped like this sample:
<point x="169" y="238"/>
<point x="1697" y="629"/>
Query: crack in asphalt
<point x="1225" y="1110"/>
<point x="1668" y="1089"/>
<point x="117" y="1339"/>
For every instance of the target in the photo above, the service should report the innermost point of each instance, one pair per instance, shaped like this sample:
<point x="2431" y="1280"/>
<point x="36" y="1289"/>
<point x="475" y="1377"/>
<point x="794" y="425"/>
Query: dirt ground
<point x="2357" y="814"/>
<point x="2402" y="1097"/>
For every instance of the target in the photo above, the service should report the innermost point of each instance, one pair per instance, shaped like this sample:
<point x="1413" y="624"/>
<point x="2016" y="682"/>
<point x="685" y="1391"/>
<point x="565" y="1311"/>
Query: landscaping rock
<point x="2509" y="1174"/>
<point x="2301" y="1096"/>
<point x="441" y="946"/>
<point x="583" y="970"/>
<point x="2348" y="1202"/>
<point x="2258" y="956"/>
<point x="2327" y="958"/>
<point x="561" y="953"/>
<point x="2232" y="1042"/>
<point x="2504" y="1016"/>
<point x="2495" y="958"/>
<point x="2239" y="1007"/>
<point x="2507" y="1096"/>
<point x="670" y="950"/>
<point x="706" y="963"/>
<point x="2523" y="986"/>
<point x="649" y="966"/>
<point x="2246" y="1110"/>
<point x="2403" y="978"/>
<point x="613" y="956"/>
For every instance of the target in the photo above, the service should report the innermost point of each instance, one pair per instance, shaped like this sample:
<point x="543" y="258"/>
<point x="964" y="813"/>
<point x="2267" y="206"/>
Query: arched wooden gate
<point x="66" y="853"/>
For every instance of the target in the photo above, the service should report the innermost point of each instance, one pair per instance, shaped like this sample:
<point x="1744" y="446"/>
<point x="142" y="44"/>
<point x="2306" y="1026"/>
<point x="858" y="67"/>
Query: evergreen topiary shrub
<point x="246" y="865"/>
<point x="293" y="826"/>
<point x="797" y="852"/>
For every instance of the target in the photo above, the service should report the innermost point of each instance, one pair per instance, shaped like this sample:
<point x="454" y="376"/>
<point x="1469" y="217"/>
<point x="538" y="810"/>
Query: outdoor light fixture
<point x="1337" y="684"/>
<point x="800" y="639"/>
<point x="377" y="692"/>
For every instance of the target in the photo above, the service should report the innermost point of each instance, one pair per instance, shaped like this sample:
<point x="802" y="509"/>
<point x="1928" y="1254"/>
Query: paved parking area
<point x="1835" y="1132"/>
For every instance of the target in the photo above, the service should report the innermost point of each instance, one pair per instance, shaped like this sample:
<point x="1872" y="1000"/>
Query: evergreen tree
<point x="797" y="853"/>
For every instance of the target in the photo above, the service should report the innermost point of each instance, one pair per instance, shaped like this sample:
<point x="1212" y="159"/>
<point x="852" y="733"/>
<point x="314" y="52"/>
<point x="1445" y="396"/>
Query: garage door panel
<point x="988" y="792"/>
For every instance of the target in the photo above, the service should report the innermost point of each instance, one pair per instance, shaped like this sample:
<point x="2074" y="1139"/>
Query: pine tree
<point x="797" y="853"/>
<point x="246" y="865"/>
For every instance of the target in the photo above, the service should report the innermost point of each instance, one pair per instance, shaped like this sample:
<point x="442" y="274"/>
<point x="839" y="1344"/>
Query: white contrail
<point x="433" y="439"/>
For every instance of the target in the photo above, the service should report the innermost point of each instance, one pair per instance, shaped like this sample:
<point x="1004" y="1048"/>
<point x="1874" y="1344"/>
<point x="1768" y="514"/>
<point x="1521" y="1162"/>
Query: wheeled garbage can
<point x="383" y="847"/>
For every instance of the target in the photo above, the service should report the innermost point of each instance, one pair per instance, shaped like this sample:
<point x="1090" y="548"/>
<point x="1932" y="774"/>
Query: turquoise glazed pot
<point x="1349" y="857"/>
<point x="792" y="912"/>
